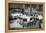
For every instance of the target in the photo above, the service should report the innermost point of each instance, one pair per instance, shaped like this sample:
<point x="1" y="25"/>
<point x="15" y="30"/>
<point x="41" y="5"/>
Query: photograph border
<point x="22" y="2"/>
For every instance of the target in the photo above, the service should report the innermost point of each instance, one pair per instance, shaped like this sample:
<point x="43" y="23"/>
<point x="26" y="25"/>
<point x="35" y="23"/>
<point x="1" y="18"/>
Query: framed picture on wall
<point x="25" y="16"/>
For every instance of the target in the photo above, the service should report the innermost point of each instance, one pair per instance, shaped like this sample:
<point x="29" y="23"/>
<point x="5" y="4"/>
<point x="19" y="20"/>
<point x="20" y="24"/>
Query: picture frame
<point x="21" y="2"/>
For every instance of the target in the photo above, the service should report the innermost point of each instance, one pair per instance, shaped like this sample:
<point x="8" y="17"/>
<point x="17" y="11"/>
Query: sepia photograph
<point x="25" y="16"/>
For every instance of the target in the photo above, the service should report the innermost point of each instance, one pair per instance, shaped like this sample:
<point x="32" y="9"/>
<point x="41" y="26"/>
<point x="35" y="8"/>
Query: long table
<point x="23" y="16"/>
